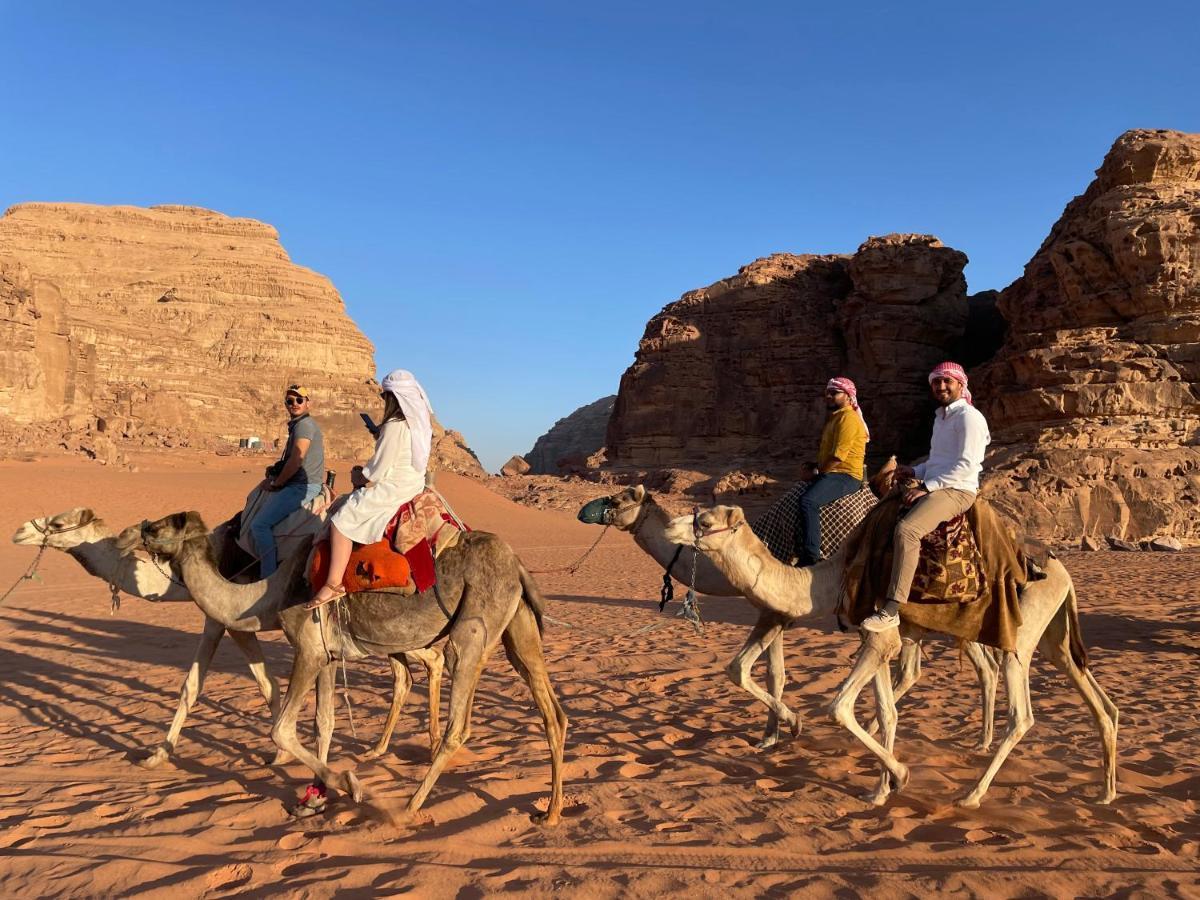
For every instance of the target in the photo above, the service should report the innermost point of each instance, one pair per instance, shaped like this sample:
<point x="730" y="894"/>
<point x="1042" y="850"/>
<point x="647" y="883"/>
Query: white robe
<point x="394" y="481"/>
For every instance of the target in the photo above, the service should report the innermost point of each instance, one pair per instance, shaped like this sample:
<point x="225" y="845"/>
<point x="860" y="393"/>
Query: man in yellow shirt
<point x="839" y="465"/>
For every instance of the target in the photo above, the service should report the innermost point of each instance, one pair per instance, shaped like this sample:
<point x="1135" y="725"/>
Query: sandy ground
<point x="664" y="793"/>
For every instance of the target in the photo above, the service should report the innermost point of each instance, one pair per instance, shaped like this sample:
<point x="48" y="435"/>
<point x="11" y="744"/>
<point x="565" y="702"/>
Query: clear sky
<point x="505" y="192"/>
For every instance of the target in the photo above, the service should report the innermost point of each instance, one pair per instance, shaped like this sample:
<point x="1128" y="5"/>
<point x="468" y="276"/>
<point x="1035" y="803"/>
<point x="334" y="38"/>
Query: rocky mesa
<point x="1094" y="398"/>
<point x="175" y="325"/>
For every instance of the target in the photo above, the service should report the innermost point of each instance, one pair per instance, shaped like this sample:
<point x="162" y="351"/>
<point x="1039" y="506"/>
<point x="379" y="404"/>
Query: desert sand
<point x="664" y="793"/>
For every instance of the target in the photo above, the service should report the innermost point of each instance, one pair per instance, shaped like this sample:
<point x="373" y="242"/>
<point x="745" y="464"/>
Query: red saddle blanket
<point x="416" y="536"/>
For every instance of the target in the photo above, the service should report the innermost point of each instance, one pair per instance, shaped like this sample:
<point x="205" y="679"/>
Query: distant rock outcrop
<point x="572" y="439"/>
<point x="1094" y="399"/>
<point x="732" y="376"/>
<point x="176" y="326"/>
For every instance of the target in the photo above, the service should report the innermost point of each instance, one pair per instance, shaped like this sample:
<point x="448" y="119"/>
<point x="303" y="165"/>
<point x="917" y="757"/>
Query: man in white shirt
<point x="949" y="483"/>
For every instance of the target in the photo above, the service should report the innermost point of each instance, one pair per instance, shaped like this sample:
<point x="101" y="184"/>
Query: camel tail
<point x="531" y="595"/>
<point x="1074" y="632"/>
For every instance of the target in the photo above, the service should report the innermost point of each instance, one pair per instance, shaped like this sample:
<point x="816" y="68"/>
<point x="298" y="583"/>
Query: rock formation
<point x="1094" y="398"/>
<point x="573" y="438"/>
<point x="175" y="325"/>
<point x="732" y="376"/>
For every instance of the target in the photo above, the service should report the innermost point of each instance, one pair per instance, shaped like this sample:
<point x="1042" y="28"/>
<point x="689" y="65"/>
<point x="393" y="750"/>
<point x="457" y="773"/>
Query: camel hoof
<point x="547" y="819"/>
<point x="969" y="802"/>
<point x="1107" y="798"/>
<point x="153" y="760"/>
<point x="374" y="753"/>
<point x="768" y="742"/>
<point x="879" y="796"/>
<point x="897" y="782"/>
<point x="351" y="785"/>
<point x="795" y="725"/>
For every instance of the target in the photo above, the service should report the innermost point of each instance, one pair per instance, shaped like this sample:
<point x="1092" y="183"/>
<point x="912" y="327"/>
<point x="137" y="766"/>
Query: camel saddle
<point x="403" y="561"/>
<point x="967" y="583"/>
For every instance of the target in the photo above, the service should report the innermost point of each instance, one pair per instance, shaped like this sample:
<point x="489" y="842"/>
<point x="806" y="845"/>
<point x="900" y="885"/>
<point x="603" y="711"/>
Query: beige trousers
<point x="923" y="517"/>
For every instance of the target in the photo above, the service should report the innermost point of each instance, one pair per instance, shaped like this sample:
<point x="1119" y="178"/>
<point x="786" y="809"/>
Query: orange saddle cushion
<point x="371" y="567"/>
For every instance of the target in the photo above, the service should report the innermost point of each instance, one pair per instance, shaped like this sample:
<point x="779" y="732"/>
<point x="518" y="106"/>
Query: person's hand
<point x="912" y="495"/>
<point x="903" y="473"/>
<point x="357" y="478"/>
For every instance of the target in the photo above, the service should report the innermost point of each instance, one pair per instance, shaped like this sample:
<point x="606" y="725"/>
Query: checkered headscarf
<point x="955" y="371"/>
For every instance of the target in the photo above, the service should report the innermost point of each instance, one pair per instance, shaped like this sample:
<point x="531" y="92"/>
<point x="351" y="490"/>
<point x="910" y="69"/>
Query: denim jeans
<point x="277" y="506"/>
<point x="823" y="490"/>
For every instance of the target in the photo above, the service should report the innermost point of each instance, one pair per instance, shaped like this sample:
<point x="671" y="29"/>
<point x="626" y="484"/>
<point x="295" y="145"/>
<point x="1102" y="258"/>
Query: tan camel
<point x="1050" y="620"/>
<point x="483" y="596"/>
<point x="87" y="539"/>
<point x="636" y="512"/>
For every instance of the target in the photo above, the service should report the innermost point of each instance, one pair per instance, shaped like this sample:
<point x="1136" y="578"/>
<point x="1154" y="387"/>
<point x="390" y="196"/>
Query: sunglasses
<point x="294" y="401"/>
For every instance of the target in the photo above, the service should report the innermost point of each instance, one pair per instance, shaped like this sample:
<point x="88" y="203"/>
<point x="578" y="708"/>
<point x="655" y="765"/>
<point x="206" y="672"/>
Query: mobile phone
<point x="369" y="422"/>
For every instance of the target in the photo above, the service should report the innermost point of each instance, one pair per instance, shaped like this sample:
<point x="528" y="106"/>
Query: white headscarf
<point x="417" y="412"/>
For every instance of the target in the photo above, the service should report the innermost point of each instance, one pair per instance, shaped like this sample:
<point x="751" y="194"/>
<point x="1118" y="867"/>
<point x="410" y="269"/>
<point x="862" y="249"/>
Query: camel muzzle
<point x="597" y="512"/>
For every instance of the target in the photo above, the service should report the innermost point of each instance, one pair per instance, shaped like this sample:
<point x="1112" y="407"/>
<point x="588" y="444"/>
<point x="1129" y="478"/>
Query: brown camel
<point x="83" y="536"/>
<point x="483" y="596"/>
<point x="1050" y="620"/>
<point x="636" y="512"/>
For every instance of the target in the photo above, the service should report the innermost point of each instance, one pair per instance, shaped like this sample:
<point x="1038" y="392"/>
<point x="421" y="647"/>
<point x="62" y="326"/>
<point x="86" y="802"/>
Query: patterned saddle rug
<point x="777" y="527"/>
<point x="403" y="561"/>
<point x="967" y="582"/>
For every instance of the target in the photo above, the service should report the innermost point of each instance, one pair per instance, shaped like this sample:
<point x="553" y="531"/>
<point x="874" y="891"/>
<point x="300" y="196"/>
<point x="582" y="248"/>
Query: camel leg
<point x="765" y="632"/>
<point x="523" y="646"/>
<point x="247" y="642"/>
<point x="193" y="683"/>
<point x="776" y="677"/>
<point x="469" y="638"/>
<point x="876" y="651"/>
<point x="306" y="668"/>
<point x="1020" y="720"/>
<point x="326" y="708"/>
<point x="987" y="671"/>
<point x="401" y="685"/>
<point x="885" y="716"/>
<point x="431" y="658"/>
<point x="1054" y="644"/>
<point x="908" y="673"/>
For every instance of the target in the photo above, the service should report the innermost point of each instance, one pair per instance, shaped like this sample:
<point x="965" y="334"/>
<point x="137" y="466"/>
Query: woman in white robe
<point x="393" y="476"/>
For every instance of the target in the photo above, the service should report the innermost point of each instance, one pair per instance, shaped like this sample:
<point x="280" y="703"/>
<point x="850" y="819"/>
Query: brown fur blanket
<point x="967" y="584"/>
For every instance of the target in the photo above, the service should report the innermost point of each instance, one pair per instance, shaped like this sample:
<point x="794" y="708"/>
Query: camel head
<point x="63" y="531"/>
<point x="167" y="537"/>
<point x="707" y="529"/>
<point x="620" y="510"/>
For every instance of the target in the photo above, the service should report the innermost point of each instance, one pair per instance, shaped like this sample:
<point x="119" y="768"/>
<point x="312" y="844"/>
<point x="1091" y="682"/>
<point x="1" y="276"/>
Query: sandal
<point x="331" y="592"/>
<point x="312" y="803"/>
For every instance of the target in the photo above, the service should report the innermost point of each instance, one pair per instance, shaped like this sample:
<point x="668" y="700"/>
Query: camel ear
<point x="639" y="492"/>
<point x="178" y="522"/>
<point x="194" y="526"/>
<point x="736" y="517"/>
<point x="86" y="516"/>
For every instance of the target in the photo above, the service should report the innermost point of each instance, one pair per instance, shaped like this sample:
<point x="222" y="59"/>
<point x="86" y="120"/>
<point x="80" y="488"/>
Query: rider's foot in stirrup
<point x="881" y="621"/>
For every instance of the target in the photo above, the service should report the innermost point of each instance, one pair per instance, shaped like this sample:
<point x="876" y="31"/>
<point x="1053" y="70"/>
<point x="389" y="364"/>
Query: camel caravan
<point x="390" y="571"/>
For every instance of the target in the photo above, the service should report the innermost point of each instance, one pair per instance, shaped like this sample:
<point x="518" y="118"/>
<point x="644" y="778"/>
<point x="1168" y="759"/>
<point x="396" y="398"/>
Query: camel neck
<point x="243" y="607"/>
<point x="130" y="575"/>
<point x="809" y="593"/>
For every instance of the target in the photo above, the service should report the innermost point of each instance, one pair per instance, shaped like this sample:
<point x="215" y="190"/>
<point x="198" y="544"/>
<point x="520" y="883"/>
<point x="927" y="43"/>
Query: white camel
<point x="88" y="540"/>
<point x="1050" y="620"/>
<point x="636" y="512"/>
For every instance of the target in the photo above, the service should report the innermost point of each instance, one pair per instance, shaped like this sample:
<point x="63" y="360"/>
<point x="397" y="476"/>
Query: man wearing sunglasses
<point x="294" y="480"/>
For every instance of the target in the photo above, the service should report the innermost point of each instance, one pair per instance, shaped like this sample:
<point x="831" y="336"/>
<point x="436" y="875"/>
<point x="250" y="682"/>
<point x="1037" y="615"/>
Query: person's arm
<point x="839" y="438"/>
<point x="292" y="464"/>
<point x="973" y="438"/>
<point x="384" y="455"/>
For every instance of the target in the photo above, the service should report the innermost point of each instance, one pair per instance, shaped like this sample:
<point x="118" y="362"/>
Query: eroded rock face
<point x="176" y="325"/>
<point x="1094" y="399"/>
<point x="732" y="376"/>
<point x="574" y="437"/>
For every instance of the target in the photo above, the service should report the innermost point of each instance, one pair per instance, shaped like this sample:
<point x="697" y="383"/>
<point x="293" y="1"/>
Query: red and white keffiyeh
<point x="845" y="384"/>
<point x="955" y="371"/>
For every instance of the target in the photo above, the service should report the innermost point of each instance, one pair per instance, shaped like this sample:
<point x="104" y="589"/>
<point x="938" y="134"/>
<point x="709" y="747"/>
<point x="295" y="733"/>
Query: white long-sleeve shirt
<point x="960" y="438"/>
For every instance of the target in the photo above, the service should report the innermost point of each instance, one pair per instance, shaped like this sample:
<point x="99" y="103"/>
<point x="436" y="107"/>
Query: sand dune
<point x="663" y="791"/>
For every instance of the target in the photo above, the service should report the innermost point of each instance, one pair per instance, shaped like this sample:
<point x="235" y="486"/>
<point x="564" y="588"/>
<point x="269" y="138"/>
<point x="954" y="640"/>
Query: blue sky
<point x="504" y="193"/>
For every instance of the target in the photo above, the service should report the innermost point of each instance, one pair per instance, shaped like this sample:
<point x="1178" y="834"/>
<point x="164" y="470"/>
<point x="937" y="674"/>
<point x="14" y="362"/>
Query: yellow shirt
<point x="844" y="439"/>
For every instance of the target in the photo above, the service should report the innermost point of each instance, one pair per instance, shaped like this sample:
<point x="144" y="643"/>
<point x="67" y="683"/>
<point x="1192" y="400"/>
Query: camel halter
<point x="31" y="574"/>
<point x="701" y="533"/>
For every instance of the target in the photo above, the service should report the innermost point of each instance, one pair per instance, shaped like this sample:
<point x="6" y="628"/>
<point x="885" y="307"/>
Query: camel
<point x="83" y="536"/>
<point x="483" y="596"/>
<point x="1050" y="620"/>
<point x="636" y="512"/>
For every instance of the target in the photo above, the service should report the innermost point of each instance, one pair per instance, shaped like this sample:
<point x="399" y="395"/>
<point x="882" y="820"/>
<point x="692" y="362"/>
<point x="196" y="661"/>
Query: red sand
<point x="664" y="793"/>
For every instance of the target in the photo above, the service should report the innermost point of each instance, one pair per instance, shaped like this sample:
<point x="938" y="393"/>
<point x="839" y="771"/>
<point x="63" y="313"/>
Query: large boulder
<point x="1094" y="398"/>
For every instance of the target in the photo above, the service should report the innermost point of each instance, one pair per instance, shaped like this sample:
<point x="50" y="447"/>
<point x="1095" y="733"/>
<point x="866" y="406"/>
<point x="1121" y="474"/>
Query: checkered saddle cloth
<point x="777" y="527"/>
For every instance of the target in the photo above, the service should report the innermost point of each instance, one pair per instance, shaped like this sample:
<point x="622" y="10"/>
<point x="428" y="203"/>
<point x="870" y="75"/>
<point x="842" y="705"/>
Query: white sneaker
<point x="881" y="621"/>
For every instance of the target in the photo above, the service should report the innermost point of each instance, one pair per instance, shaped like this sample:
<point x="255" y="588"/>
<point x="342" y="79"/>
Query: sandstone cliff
<point x="732" y="376"/>
<point x="1094" y="398"/>
<point x="174" y="325"/>
<point x="572" y="438"/>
